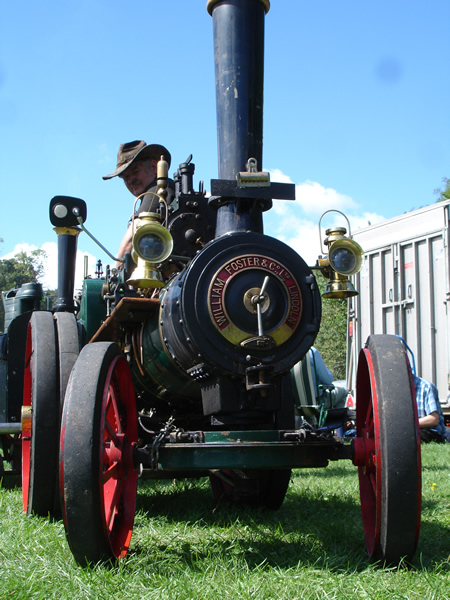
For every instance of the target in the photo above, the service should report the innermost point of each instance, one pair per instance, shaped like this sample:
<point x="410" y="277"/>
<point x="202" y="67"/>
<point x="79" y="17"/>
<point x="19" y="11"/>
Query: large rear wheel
<point x="51" y="351"/>
<point x="387" y="450"/>
<point x="98" y="478"/>
<point x="68" y="345"/>
<point x="40" y="436"/>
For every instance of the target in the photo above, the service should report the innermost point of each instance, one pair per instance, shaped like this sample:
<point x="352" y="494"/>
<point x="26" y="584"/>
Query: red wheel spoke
<point x="112" y="432"/>
<point x="113" y="424"/>
<point x="111" y="405"/>
<point x="111" y="472"/>
<point x="113" y="503"/>
<point x="113" y="458"/>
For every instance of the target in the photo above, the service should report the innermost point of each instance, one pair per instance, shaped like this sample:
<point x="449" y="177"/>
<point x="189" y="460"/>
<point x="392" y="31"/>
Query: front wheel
<point x="387" y="450"/>
<point x="98" y="478"/>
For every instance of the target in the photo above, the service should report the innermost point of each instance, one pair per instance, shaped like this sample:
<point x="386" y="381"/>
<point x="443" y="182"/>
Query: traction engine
<point x="179" y="364"/>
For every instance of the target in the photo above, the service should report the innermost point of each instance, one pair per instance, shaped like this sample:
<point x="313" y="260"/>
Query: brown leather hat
<point x="130" y="151"/>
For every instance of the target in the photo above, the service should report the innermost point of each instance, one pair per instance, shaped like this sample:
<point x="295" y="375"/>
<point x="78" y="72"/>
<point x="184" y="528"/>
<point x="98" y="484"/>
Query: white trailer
<point x="404" y="289"/>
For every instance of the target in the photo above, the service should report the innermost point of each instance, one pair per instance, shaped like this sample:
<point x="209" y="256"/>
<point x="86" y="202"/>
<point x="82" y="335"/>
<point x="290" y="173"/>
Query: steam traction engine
<point x="179" y="364"/>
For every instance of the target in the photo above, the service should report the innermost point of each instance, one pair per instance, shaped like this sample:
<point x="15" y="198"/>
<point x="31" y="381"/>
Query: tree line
<point x="22" y="268"/>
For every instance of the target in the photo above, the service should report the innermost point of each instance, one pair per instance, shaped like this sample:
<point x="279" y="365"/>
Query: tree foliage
<point x="331" y="340"/>
<point x="443" y="194"/>
<point x="22" y="268"/>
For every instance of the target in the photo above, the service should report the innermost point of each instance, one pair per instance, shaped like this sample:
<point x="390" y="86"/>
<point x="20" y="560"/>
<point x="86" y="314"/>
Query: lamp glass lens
<point x="151" y="247"/>
<point x="343" y="260"/>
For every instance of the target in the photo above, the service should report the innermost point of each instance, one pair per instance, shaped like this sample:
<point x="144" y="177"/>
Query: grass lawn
<point x="185" y="546"/>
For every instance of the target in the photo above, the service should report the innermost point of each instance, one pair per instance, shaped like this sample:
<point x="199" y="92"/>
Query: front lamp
<point x="344" y="259"/>
<point x="152" y="244"/>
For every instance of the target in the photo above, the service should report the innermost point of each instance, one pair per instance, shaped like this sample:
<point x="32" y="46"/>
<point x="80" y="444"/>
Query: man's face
<point x="139" y="175"/>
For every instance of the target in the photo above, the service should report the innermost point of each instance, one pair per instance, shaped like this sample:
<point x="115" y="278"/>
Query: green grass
<point x="185" y="546"/>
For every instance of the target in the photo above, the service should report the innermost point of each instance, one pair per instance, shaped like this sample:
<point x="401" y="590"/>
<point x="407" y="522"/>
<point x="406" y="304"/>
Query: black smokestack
<point x="238" y="27"/>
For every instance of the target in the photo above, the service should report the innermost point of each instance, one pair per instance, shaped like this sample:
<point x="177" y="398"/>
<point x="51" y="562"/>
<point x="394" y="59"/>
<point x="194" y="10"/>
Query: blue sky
<point x="356" y="109"/>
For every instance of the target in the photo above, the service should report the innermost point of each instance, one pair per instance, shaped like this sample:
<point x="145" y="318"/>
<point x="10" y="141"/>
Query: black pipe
<point x="67" y="254"/>
<point x="238" y="27"/>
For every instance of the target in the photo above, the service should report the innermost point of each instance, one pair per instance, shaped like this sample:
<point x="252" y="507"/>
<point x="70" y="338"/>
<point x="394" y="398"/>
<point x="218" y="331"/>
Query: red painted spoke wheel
<point x="98" y="478"/>
<point x="40" y="436"/>
<point x="387" y="450"/>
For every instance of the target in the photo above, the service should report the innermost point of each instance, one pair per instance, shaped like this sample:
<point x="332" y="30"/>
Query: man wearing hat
<point x="137" y="166"/>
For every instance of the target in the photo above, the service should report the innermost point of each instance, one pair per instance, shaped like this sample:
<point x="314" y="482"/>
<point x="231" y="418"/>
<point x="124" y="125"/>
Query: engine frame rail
<point x="275" y="449"/>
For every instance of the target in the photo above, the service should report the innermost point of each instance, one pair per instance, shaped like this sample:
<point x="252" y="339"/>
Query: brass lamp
<point x="152" y="244"/>
<point x="344" y="259"/>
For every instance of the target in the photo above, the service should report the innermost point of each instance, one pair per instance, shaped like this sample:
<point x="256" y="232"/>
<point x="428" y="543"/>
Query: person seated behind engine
<point x="313" y="389"/>
<point x="332" y="395"/>
<point x="429" y="410"/>
<point x="137" y="166"/>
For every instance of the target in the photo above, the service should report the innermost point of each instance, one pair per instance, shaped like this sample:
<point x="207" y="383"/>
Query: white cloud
<point x="278" y="176"/>
<point x="301" y="235"/>
<point x="280" y="207"/>
<point x="316" y="199"/>
<point x="50" y="279"/>
<point x="311" y="197"/>
<point x="364" y="220"/>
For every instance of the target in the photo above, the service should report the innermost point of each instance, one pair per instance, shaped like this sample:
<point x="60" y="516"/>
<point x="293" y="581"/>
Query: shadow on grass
<point x="10" y="481"/>
<point x="307" y="530"/>
<point x="434" y="468"/>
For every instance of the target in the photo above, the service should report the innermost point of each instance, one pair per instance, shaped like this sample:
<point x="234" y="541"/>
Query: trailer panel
<point x="404" y="290"/>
